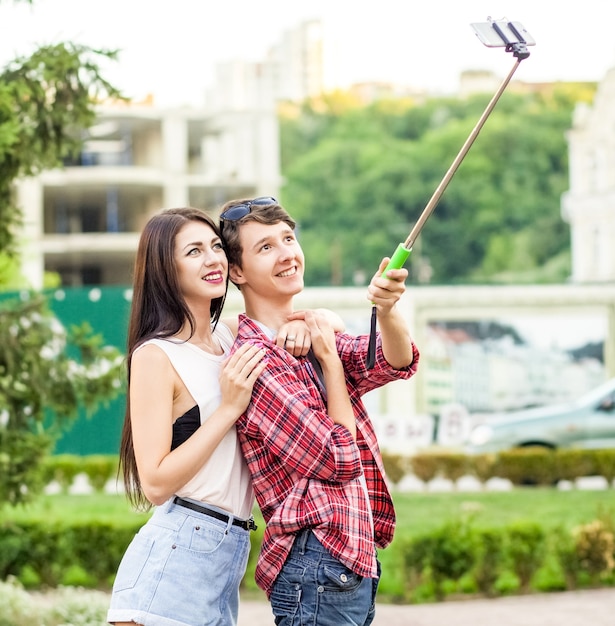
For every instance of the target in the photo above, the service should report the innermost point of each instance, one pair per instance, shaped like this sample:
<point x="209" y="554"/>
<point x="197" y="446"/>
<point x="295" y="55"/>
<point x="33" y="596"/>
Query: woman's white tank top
<point x="224" y="480"/>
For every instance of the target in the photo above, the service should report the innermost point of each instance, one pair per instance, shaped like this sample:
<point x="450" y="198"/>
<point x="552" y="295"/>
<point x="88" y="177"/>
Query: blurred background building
<point x="589" y="205"/>
<point x="83" y="221"/>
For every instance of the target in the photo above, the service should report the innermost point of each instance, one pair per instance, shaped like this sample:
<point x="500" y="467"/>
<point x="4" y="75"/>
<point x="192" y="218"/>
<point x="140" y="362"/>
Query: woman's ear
<point x="235" y="274"/>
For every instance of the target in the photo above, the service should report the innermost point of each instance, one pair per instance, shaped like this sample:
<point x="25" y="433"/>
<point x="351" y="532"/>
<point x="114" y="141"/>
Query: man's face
<point x="272" y="260"/>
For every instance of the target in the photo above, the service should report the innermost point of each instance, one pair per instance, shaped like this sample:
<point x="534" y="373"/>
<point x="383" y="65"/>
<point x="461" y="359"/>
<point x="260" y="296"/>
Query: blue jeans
<point x="315" y="589"/>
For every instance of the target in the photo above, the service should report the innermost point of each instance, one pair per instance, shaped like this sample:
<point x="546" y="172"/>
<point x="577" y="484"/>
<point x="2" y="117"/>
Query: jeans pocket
<point x="133" y="563"/>
<point x="340" y="578"/>
<point x="285" y="600"/>
<point x="204" y="538"/>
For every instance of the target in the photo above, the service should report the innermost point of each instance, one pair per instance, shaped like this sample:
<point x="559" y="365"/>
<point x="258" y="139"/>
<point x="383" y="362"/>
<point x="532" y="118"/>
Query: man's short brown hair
<point x="262" y="213"/>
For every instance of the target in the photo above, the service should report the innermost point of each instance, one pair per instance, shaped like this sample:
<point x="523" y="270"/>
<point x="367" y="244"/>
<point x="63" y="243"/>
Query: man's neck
<point x="270" y="313"/>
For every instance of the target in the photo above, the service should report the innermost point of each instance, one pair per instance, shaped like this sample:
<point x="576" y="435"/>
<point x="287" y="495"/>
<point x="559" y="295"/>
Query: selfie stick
<point x="401" y="254"/>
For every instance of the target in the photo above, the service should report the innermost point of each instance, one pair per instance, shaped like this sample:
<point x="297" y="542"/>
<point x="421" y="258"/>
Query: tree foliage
<point x="358" y="178"/>
<point x="46" y="102"/>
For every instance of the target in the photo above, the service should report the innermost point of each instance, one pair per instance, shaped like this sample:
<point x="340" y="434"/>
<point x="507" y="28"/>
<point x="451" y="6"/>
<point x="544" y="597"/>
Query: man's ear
<point x="235" y="274"/>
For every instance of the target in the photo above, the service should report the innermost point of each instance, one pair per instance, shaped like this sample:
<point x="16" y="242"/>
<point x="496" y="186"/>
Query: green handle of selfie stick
<point x="398" y="259"/>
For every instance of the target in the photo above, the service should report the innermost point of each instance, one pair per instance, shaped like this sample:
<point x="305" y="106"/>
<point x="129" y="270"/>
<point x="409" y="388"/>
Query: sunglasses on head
<point x="238" y="211"/>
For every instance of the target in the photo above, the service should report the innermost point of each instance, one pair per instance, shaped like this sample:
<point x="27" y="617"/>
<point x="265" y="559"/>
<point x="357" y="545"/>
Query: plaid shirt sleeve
<point x="353" y="351"/>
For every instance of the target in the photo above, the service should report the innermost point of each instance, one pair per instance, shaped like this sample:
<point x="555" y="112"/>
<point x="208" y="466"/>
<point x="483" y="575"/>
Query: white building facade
<point x="293" y="70"/>
<point x="589" y="205"/>
<point x="83" y="221"/>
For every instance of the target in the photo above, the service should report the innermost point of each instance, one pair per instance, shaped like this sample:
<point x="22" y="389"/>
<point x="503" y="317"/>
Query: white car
<point x="588" y="422"/>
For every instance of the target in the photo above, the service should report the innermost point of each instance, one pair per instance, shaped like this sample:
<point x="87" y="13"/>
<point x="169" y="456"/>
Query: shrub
<point x="13" y="549"/>
<point x="571" y="464"/>
<point x="424" y="466"/>
<point x="567" y="556"/>
<point x="415" y="562"/>
<point x="46" y="550"/>
<point x="595" y="545"/>
<point x="63" y="468"/>
<point x="532" y="465"/>
<point x="447" y="553"/>
<point x="482" y="466"/>
<point x="76" y="576"/>
<point x="395" y="466"/>
<point x="526" y="549"/>
<point x="605" y="464"/>
<point x="453" y="465"/>
<point x="44" y="553"/>
<point x="100" y="468"/>
<point x="489" y="553"/>
<point x="549" y="577"/>
<point x="108" y="541"/>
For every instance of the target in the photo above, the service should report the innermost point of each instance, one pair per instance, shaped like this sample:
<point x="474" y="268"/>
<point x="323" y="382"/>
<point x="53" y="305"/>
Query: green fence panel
<point x="106" y="309"/>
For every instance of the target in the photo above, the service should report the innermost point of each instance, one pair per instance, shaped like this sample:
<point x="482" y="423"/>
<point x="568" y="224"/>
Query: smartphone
<point x="514" y="32"/>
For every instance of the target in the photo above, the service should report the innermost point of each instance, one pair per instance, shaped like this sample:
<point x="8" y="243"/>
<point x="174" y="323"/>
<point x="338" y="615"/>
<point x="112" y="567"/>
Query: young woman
<point x="179" y="448"/>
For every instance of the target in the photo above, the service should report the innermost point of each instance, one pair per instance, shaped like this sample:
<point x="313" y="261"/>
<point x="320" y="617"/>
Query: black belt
<point x="247" y="524"/>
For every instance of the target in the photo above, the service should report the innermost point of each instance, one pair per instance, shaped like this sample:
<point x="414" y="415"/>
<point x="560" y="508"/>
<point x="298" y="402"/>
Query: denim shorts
<point x="182" y="568"/>
<point x="315" y="588"/>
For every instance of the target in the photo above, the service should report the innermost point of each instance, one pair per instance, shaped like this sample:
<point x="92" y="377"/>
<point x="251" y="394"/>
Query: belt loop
<point x="302" y="539"/>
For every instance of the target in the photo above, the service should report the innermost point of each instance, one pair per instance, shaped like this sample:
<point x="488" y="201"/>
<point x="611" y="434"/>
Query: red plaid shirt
<point x="306" y="469"/>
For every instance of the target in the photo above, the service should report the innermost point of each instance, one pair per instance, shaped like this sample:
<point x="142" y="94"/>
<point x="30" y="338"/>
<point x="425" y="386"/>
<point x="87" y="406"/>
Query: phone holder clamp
<point x="519" y="47"/>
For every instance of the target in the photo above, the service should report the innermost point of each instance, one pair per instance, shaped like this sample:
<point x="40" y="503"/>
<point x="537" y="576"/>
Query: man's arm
<point x="339" y="406"/>
<point x="384" y="292"/>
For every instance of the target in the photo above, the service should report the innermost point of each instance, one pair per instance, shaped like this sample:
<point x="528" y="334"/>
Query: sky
<point x="169" y="49"/>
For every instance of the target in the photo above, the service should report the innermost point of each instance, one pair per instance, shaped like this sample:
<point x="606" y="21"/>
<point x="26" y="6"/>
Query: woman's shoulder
<point x="150" y="359"/>
<point x="230" y="325"/>
<point x="225" y="335"/>
<point x="149" y="349"/>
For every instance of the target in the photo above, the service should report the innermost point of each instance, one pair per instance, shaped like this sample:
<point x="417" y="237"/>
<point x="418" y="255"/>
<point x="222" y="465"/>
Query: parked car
<point x="588" y="422"/>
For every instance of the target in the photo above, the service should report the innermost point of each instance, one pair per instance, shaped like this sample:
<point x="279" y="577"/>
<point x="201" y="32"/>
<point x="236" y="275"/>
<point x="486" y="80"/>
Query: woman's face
<point x="201" y="262"/>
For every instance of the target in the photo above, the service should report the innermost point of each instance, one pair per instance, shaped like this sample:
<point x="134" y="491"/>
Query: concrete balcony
<point x="89" y="244"/>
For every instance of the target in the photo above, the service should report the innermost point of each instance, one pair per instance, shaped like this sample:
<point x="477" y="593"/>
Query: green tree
<point x="47" y="100"/>
<point x="358" y="178"/>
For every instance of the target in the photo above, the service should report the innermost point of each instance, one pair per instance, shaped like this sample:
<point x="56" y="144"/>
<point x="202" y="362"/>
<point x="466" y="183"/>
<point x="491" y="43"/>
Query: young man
<point x="309" y="444"/>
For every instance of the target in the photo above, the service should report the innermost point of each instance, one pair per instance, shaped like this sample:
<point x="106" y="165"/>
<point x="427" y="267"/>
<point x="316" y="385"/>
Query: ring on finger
<point x="290" y="338"/>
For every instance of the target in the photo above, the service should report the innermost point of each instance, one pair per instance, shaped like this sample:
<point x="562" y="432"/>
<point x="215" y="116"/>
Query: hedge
<point x="454" y="558"/>
<point x="521" y="557"/>
<point x="522" y="466"/>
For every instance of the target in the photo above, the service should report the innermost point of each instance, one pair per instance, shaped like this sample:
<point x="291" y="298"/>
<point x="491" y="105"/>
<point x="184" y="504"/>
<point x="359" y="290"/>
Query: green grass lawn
<point x="420" y="512"/>
<point x="416" y="512"/>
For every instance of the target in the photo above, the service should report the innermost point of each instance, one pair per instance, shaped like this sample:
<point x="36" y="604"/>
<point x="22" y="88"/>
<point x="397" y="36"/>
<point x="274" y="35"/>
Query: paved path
<point x="571" y="608"/>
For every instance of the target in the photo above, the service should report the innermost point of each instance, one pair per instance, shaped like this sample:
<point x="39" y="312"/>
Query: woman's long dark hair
<point x="158" y="309"/>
